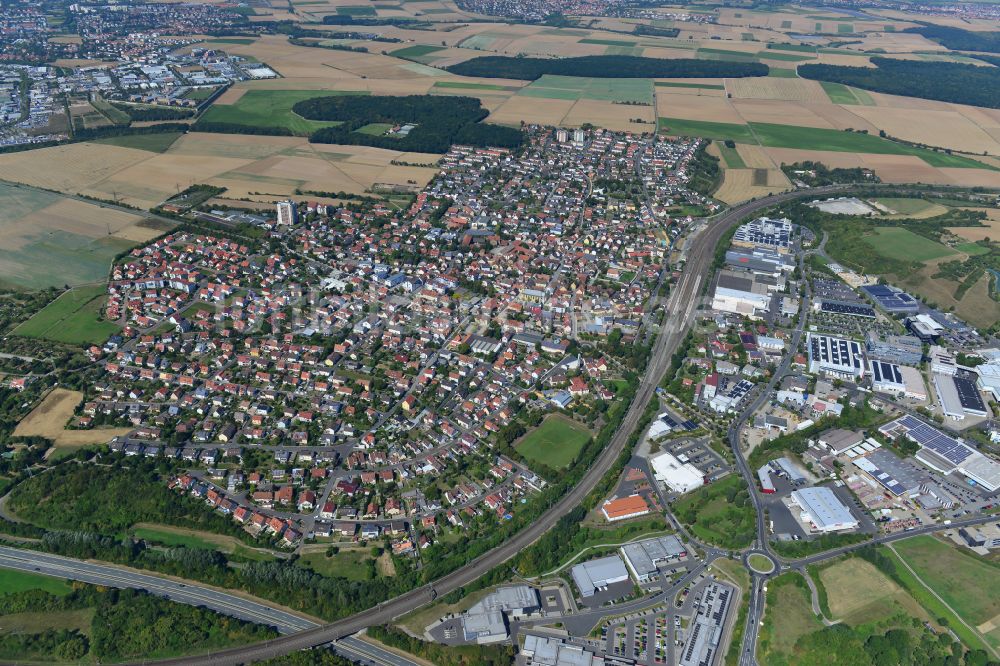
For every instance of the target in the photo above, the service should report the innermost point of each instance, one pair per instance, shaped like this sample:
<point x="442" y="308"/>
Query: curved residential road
<point x="683" y="301"/>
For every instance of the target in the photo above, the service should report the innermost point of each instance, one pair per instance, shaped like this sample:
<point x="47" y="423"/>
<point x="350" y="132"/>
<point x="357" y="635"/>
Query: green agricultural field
<point x="240" y="41"/>
<point x="555" y="443"/>
<point x="73" y="318"/>
<point x="972" y="249"/>
<point x="154" y="143"/>
<point x="462" y="85"/>
<point x="199" y="94"/>
<point x="417" y="52"/>
<point x="272" y="108"/>
<point x="801" y="48"/>
<point x="709" y="130"/>
<point x="356" y="10"/>
<point x="699" y="86"/>
<point x="551" y="86"/>
<point x="906" y="205"/>
<point x="375" y="129"/>
<point x="12" y="581"/>
<point x="725" y="54"/>
<point x="731" y="156"/>
<point x="781" y="73"/>
<point x="969" y="584"/>
<point x="838" y="93"/>
<point x="787" y="57"/>
<point x="904" y="245"/>
<point x="608" y="42"/>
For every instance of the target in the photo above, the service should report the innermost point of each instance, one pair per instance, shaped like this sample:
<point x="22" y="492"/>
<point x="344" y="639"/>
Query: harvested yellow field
<point x="766" y="87"/>
<point x="991" y="228"/>
<point x="69" y="168"/>
<point x="611" y="116"/>
<point x="778" y="112"/>
<point x="740" y="185"/>
<point x="905" y="169"/>
<point x="839" y="117"/>
<point x="50" y="417"/>
<point x="695" y="107"/>
<point x="755" y="157"/>
<point x="532" y="110"/>
<point x="925" y="126"/>
<point x="973" y="177"/>
<point x="77" y="217"/>
<point x="831" y="158"/>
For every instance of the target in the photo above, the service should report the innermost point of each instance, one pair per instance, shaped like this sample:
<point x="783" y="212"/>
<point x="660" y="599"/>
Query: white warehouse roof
<point x="825" y="509"/>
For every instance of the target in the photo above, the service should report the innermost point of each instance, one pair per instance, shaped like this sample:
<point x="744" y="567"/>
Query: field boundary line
<point x="943" y="602"/>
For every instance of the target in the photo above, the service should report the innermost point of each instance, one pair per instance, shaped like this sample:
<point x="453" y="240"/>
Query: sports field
<point x="904" y="245"/>
<point x="555" y="443"/>
<point x="271" y="108"/>
<point x="551" y="86"/>
<point x="73" y="318"/>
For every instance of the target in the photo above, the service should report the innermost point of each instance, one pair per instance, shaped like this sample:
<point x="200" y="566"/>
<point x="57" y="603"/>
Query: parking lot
<point x="700" y="454"/>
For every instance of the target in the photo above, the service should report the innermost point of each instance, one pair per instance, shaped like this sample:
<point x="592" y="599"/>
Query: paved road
<point x="186" y="593"/>
<point x="683" y="300"/>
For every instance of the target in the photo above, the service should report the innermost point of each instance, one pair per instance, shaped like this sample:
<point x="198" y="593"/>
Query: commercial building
<point x="624" y="508"/>
<point x="679" y="477"/>
<point x="988" y="378"/>
<point x="924" y="327"/>
<point x="892" y="299"/>
<point x="823" y="510"/>
<point x="549" y="651"/>
<point x="838" y="440"/>
<point x="514" y="600"/>
<point x="983" y="536"/>
<point x="942" y="361"/>
<point x="835" y="356"/>
<point x="897" y="379"/>
<point x="900" y="478"/>
<point x="899" y="349"/>
<point x="764" y="232"/>
<point x="959" y="397"/>
<point x="741" y="293"/>
<point x="287" y="213"/>
<point x="599" y="574"/>
<point x="760" y="260"/>
<point x="643" y="558"/>
<point x="485" y="627"/>
<point x="708" y="626"/>
<point x="945" y="454"/>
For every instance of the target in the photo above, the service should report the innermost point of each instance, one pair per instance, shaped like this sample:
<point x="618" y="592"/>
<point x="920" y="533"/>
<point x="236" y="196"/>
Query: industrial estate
<point x="464" y="332"/>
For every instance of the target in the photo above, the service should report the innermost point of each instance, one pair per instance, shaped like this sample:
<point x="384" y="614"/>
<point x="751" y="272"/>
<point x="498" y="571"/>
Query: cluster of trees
<point x="827" y="176"/>
<point x="943" y="81"/>
<point x="605" y="66"/>
<point x="146" y="113"/>
<point x="440" y="122"/>
<point x="818" y="545"/>
<point x="647" y="30"/>
<point x="957" y="39"/>
<point x="704" y="171"/>
<point x="126" y="624"/>
<point x="236" y="128"/>
<point x="444" y="655"/>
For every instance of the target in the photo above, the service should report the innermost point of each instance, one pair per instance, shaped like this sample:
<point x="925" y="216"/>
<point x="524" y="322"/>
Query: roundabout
<point x="760" y="563"/>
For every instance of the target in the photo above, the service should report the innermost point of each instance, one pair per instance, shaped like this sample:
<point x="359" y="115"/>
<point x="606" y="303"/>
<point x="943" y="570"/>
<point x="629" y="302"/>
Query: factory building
<point x="823" y="510"/>
<point x="741" y="293"/>
<point x="897" y="379"/>
<point x="899" y="349"/>
<point x="835" y="356"/>
<point x="679" y="477"/>
<point x="643" y="558"/>
<point x="596" y="575"/>
<point x="775" y="235"/>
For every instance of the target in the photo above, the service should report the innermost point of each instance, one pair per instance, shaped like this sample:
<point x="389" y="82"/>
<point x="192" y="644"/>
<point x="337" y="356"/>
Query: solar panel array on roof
<point x="835" y="352"/>
<point x="890" y="483"/>
<point x="669" y="420"/>
<point x="891" y="299"/>
<point x="690" y="425"/>
<point x="835" y="307"/>
<point x="969" y="396"/>
<point x="931" y="438"/>
<point x="886" y="372"/>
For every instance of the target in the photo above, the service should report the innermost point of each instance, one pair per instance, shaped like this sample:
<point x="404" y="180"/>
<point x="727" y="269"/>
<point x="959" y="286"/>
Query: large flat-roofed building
<point x="835" y="356"/>
<point x="989" y="378"/>
<point x="892" y="299"/>
<point x="708" y="627"/>
<point x="945" y="454"/>
<point x="897" y="379"/>
<point x="287" y="213"/>
<point x="773" y="234"/>
<point x="514" y="600"/>
<point x="823" y="510"/>
<point x="679" y="477"/>
<point x="599" y="574"/>
<point x="924" y="327"/>
<point x="839" y="440"/>
<point x="899" y="349"/>
<point x="959" y="397"/>
<point x="902" y="479"/>
<point x="741" y="293"/>
<point x="551" y="651"/>
<point x="485" y="627"/>
<point x="643" y="558"/>
<point x="760" y="260"/>
<point x="942" y="361"/>
<point x="983" y="536"/>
